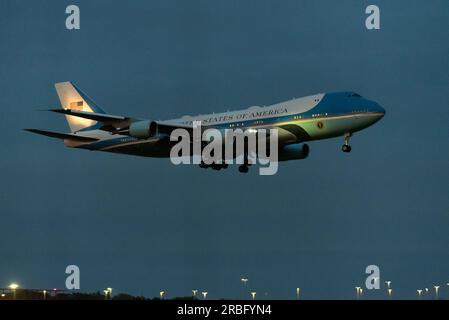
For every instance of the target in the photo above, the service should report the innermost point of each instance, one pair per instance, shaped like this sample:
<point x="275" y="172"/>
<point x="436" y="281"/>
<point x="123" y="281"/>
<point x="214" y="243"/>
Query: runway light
<point x="298" y="290"/>
<point x="194" y="293"/>
<point x="13" y="286"/>
<point x="204" y="293"/>
<point x="161" y="294"/>
<point x="253" y="295"/>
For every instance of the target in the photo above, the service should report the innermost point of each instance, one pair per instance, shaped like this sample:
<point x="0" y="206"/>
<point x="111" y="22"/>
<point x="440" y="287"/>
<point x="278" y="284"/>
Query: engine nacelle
<point x="293" y="152"/>
<point x="143" y="129"/>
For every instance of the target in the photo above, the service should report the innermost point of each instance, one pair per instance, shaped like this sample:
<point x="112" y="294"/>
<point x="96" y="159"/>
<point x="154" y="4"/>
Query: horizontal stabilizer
<point x="58" y="135"/>
<point x="90" y="115"/>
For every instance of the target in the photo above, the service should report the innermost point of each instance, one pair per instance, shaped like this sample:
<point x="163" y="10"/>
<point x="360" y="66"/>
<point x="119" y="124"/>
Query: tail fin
<point x="73" y="98"/>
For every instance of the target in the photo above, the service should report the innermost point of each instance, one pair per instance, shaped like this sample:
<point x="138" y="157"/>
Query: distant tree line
<point x="25" y="294"/>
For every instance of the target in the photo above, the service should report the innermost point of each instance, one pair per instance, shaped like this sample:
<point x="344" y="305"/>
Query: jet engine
<point x="143" y="129"/>
<point x="293" y="152"/>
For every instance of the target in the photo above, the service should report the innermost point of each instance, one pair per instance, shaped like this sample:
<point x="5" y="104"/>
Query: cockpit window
<point x="354" y="95"/>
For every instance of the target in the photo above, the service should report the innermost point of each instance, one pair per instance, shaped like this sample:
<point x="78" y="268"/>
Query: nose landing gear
<point x="346" y="147"/>
<point x="214" y="166"/>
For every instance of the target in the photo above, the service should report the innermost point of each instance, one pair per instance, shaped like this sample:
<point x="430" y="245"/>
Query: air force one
<point x="316" y="117"/>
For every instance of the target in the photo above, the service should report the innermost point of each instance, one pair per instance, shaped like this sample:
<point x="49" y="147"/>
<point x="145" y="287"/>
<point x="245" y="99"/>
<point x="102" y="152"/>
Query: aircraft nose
<point x="381" y="109"/>
<point x="375" y="107"/>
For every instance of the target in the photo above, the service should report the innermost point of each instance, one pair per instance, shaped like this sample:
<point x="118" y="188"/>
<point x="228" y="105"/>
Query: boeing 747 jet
<point x="315" y="117"/>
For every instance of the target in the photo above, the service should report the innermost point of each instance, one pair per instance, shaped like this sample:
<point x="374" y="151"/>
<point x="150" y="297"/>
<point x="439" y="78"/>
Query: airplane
<point x="314" y="117"/>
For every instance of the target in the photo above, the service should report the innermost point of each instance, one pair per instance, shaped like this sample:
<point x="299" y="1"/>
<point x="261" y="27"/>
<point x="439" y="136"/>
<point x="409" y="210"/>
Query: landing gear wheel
<point x="346" y="148"/>
<point x="243" y="168"/>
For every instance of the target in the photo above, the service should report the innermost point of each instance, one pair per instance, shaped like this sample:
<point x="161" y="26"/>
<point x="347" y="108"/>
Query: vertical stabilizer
<point x="73" y="98"/>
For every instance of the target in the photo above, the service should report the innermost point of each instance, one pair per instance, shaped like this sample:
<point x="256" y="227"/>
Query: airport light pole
<point x="253" y="295"/>
<point x="204" y="293"/>
<point x="44" y="292"/>
<point x="426" y="291"/>
<point x="357" y="292"/>
<point x="107" y="294"/>
<point x="419" y="293"/>
<point x="13" y="287"/>
<point x="161" y="294"/>
<point x="298" y="290"/>
<point x="194" y="292"/>
<point x="244" y="281"/>
<point x="110" y="293"/>
<point x="390" y="291"/>
<point x="436" y="292"/>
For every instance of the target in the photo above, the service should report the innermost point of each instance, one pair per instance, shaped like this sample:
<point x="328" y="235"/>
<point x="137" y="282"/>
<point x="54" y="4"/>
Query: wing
<point x="166" y="127"/>
<point x="110" y="122"/>
<point x="65" y="136"/>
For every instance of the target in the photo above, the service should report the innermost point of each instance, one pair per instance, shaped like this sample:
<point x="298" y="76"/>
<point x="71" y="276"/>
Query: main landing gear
<point x="215" y="166"/>
<point x="243" y="168"/>
<point x="346" y="147"/>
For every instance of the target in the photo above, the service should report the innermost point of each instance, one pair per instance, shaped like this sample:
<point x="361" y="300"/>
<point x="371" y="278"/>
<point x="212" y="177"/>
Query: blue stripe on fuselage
<point x="109" y="142"/>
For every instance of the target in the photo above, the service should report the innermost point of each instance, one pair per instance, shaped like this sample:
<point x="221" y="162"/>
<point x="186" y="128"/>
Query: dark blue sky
<point x="142" y="225"/>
